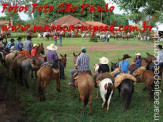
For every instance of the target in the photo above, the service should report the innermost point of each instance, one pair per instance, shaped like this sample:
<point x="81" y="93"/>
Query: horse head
<point x="150" y="57"/>
<point x="35" y="63"/>
<point x="75" y="57"/>
<point x="40" y="49"/>
<point x="113" y="66"/>
<point x="63" y="59"/>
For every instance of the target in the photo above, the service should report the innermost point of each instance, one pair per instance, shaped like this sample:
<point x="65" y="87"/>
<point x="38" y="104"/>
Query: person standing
<point x="60" y="39"/>
<point x="108" y="37"/>
<point x="82" y="64"/>
<point x="18" y="45"/>
<point x="55" y="39"/>
<point x="28" y="44"/>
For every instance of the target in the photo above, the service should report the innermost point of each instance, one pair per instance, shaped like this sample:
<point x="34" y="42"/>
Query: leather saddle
<point x="103" y="76"/>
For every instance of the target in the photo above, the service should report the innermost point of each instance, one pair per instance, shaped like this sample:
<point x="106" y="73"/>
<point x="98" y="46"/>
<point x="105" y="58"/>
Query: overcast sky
<point x="25" y="17"/>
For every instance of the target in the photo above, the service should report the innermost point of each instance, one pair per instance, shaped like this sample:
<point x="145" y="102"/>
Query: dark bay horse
<point x="113" y="66"/>
<point x="85" y="84"/>
<point x="45" y="74"/>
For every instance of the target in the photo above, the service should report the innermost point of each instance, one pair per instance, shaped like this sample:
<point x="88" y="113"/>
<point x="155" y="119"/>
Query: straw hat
<point x="104" y="60"/>
<point x="137" y="54"/>
<point x="35" y="45"/>
<point x="1" y="44"/>
<point x="12" y="48"/>
<point x="52" y="47"/>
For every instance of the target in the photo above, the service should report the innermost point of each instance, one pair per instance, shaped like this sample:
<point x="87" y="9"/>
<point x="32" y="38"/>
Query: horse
<point x="106" y="88"/>
<point x="146" y="76"/>
<point x="46" y="35"/>
<point x="45" y="74"/>
<point x="84" y="83"/>
<point x="113" y="66"/>
<point x="126" y="88"/>
<point x="25" y="68"/>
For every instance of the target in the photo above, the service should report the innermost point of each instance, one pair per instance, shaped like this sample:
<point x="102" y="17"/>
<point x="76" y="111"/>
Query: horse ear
<point x="41" y="44"/>
<point x="74" y="54"/>
<point x="147" y="53"/>
<point x="61" y="55"/>
<point x="79" y="53"/>
<point x="65" y="55"/>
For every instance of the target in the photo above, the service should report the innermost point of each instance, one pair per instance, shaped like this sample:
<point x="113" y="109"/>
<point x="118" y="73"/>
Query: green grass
<point x="63" y="107"/>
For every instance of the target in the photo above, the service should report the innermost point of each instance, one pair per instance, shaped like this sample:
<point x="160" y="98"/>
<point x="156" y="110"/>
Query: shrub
<point x="93" y="39"/>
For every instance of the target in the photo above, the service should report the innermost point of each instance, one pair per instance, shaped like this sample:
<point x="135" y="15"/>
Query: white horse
<point x="106" y="89"/>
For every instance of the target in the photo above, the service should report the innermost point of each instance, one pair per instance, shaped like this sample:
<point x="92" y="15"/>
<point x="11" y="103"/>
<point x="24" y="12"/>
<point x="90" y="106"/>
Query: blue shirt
<point x="124" y="66"/>
<point x="83" y="62"/>
<point x="18" y="46"/>
<point x="139" y="62"/>
<point x="28" y="46"/>
<point x="9" y="44"/>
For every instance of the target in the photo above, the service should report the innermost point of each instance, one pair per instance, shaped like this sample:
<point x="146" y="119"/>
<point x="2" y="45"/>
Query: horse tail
<point x="87" y="93"/>
<point x="109" y="89"/>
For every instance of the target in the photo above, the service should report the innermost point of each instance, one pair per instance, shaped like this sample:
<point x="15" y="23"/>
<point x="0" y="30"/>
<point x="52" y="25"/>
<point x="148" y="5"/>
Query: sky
<point x="116" y="10"/>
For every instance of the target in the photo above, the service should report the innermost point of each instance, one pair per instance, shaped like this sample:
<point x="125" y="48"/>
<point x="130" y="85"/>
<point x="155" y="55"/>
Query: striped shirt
<point x="51" y="56"/>
<point x="160" y="56"/>
<point x="83" y="62"/>
<point x="9" y="44"/>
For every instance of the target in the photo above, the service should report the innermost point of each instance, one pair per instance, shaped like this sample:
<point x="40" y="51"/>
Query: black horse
<point x="126" y="88"/>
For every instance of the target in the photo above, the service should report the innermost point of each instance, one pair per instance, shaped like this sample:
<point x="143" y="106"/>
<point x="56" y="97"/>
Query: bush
<point x="93" y="39"/>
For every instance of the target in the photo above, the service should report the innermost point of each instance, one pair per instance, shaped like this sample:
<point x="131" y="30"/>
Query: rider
<point x="28" y="44"/>
<point x="159" y="58"/>
<point x="103" y="67"/>
<point x="9" y="44"/>
<point x="34" y="52"/>
<point x="123" y="65"/>
<point x="1" y="44"/>
<point x="138" y="63"/>
<point x="18" y="45"/>
<point x="82" y="64"/>
<point x="52" y="57"/>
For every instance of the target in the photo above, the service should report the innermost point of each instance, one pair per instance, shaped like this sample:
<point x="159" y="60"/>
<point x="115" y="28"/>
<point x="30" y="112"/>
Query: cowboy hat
<point x="126" y="56"/>
<point x="35" y="45"/>
<point x="52" y="47"/>
<point x="104" y="60"/>
<point x="137" y="53"/>
<point x="1" y="44"/>
<point x="159" y="46"/>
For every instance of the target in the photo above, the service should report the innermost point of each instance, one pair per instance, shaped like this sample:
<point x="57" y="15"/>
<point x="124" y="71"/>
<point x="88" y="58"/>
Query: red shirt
<point x="34" y="52"/>
<point x="55" y="37"/>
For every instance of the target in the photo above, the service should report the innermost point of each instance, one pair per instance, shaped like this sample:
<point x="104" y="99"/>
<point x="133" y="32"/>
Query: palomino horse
<point x="45" y="74"/>
<point x="146" y="76"/>
<point x="84" y="83"/>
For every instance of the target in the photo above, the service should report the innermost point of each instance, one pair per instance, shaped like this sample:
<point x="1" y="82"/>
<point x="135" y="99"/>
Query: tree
<point x="142" y="9"/>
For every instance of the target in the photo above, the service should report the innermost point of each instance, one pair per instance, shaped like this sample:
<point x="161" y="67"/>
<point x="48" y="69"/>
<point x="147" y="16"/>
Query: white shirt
<point x="160" y="56"/>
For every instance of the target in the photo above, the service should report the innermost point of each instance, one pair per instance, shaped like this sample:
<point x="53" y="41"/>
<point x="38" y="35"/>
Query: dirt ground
<point x="106" y="47"/>
<point x="10" y="107"/>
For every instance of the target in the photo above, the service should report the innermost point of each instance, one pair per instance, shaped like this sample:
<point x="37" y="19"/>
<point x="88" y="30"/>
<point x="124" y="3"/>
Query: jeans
<point x="55" y="42"/>
<point x="115" y="75"/>
<point x="152" y="68"/>
<point x="60" y="42"/>
<point x="71" y="74"/>
<point x="62" y="74"/>
<point x="95" y="76"/>
<point x="134" y="68"/>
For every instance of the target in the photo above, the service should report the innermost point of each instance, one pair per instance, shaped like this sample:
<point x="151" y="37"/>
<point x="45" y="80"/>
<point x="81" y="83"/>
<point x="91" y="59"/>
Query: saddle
<point x="77" y="74"/>
<point x="103" y="76"/>
<point x="19" y="59"/>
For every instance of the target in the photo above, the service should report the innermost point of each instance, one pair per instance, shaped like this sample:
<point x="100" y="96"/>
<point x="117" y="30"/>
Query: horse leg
<point x="75" y="92"/>
<point x="58" y="85"/>
<point x="31" y="73"/>
<point x="36" y="74"/>
<point x="97" y="93"/>
<point x="108" y="103"/>
<point x="82" y="98"/>
<point x="104" y="100"/>
<point x="90" y="105"/>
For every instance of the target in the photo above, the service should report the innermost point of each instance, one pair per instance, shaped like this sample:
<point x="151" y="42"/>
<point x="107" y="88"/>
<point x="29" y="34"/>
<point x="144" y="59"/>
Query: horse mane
<point x="122" y="77"/>
<point x="139" y="71"/>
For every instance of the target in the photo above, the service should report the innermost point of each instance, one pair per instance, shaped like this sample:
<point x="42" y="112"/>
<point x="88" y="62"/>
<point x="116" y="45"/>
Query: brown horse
<point x="85" y="84"/>
<point x="146" y="76"/>
<point x="45" y="74"/>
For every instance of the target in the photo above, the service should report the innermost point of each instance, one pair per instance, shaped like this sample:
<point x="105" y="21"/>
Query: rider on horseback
<point x="9" y="45"/>
<point x="18" y="44"/>
<point x="123" y="65"/>
<point x="82" y="64"/>
<point x="138" y="63"/>
<point x="52" y="57"/>
<point x="159" y="58"/>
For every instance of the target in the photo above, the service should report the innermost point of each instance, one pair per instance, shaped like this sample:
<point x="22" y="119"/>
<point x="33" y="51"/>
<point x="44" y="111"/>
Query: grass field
<point x="63" y="107"/>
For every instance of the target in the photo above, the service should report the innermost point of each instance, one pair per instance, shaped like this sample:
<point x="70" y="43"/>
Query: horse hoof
<point x="102" y="105"/>
<point x="107" y="109"/>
